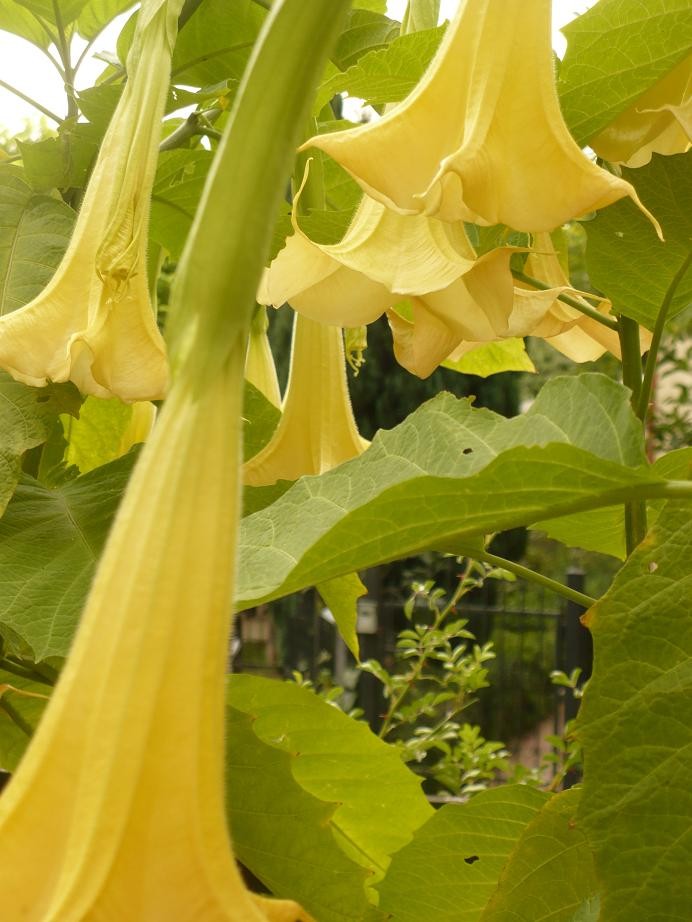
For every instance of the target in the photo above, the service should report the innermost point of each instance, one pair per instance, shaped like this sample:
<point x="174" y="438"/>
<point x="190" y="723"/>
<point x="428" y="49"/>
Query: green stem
<point x="193" y="126"/>
<point x="578" y="305"/>
<point x="63" y="47"/>
<point x="652" y="357"/>
<point x="630" y="347"/>
<point x="420" y="15"/>
<point x="16" y="717"/>
<point x="31" y="102"/>
<point x="23" y="672"/>
<point x="525" y="573"/>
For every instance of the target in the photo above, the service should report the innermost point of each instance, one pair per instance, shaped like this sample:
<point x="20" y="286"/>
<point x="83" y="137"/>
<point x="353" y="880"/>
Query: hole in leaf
<point x="467" y="451"/>
<point x="471" y="859"/>
<point x="43" y="398"/>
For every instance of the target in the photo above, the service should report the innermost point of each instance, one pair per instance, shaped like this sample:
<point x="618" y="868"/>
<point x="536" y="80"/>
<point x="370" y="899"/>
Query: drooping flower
<point x="659" y="122"/>
<point x="317" y="430"/>
<point x="93" y="323"/>
<point x="455" y="299"/>
<point x="481" y="138"/>
<point x="260" y="369"/>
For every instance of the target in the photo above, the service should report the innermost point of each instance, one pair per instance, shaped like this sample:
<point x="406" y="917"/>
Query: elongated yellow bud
<point x="317" y="430"/>
<point x="93" y="323"/>
<point x="260" y="369"/>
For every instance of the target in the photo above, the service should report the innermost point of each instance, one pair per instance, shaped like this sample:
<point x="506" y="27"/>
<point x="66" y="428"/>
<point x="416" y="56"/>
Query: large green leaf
<point x="96" y="14"/>
<point x="449" y="472"/>
<point x="364" y="31"/>
<point x="179" y="181"/>
<point x="625" y="258"/>
<point x="317" y="803"/>
<point x="34" y="233"/>
<point x="21" y="704"/>
<point x="66" y="11"/>
<point x="50" y="540"/>
<point x="387" y="74"/>
<point x="616" y="51"/>
<point x="550" y="875"/>
<point x="215" y="43"/>
<point x="635" y="724"/>
<point x="603" y="530"/>
<point x="18" y="20"/>
<point x="450" y="869"/>
<point x="27" y="416"/>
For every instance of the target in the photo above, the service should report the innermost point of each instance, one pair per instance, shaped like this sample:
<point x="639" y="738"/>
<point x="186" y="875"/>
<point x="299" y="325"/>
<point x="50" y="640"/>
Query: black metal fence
<point x="533" y="633"/>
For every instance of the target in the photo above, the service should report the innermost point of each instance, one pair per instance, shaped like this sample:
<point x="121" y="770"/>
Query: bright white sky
<point x="26" y="68"/>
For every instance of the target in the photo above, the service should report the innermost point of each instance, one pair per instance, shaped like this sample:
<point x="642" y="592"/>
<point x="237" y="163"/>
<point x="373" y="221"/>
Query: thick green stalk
<point x="581" y="306"/>
<point x="245" y="185"/>
<point x="419" y="15"/>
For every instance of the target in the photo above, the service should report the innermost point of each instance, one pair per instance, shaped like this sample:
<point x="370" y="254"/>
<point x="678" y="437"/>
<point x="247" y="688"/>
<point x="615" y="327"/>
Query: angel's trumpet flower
<point x="260" y="369"/>
<point x="93" y="323"/>
<point x="456" y="299"/>
<point x="317" y="430"/>
<point x="481" y="138"/>
<point x="117" y="809"/>
<point x="659" y="122"/>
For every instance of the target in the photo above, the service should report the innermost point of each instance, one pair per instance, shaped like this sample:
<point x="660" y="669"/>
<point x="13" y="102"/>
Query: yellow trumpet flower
<point x="260" y="369"/>
<point x="117" y="810"/>
<point x="317" y="430"/>
<point x="456" y="300"/>
<point x="93" y="324"/>
<point x="481" y="138"/>
<point x="659" y="122"/>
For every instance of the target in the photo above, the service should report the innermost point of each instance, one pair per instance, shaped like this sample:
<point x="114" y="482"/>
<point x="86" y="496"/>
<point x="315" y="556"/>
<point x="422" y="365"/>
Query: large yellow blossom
<point x="93" y="323"/>
<point x="481" y="138"/>
<point x="317" y="430"/>
<point x="659" y="122"/>
<point x="456" y="300"/>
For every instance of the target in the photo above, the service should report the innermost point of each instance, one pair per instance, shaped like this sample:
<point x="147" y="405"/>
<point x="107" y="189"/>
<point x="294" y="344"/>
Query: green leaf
<point x="387" y="74"/>
<point x="96" y="437"/>
<point x="625" y="258"/>
<point x="635" y="724"/>
<point x="364" y="31"/>
<point x="22" y="702"/>
<point x="448" y="473"/>
<point x="616" y="51"/>
<point x="50" y="10"/>
<point x="27" y="417"/>
<point x="550" y="875"/>
<point x="215" y="43"/>
<point x="63" y="162"/>
<point x="50" y="540"/>
<point x="341" y="595"/>
<point x="450" y="869"/>
<point x="34" y="233"/>
<point x="603" y="530"/>
<point x="260" y="419"/>
<point x="19" y="21"/>
<point x="491" y="358"/>
<point x="317" y="802"/>
<point x="96" y="14"/>
<point x="177" y="189"/>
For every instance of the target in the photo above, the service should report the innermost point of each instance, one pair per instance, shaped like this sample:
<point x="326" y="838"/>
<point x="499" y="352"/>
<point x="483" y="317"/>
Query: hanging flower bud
<point x="93" y="324"/>
<point x="260" y="369"/>
<point x="317" y="430"/>
<point x="481" y="138"/>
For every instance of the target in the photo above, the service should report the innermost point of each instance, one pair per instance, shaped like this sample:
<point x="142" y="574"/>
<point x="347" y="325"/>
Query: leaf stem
<point x="532" y="576"/>
<point x="193" y="126"/>
<point x="31" y="102"/>
<point x="24" y="672"/>
<point x="16" y="717"/>
<point x="630" y="347"/>
<point x="578" y="305"/>
<point x="651" y="359"/>
<point x="63" y="47"/>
